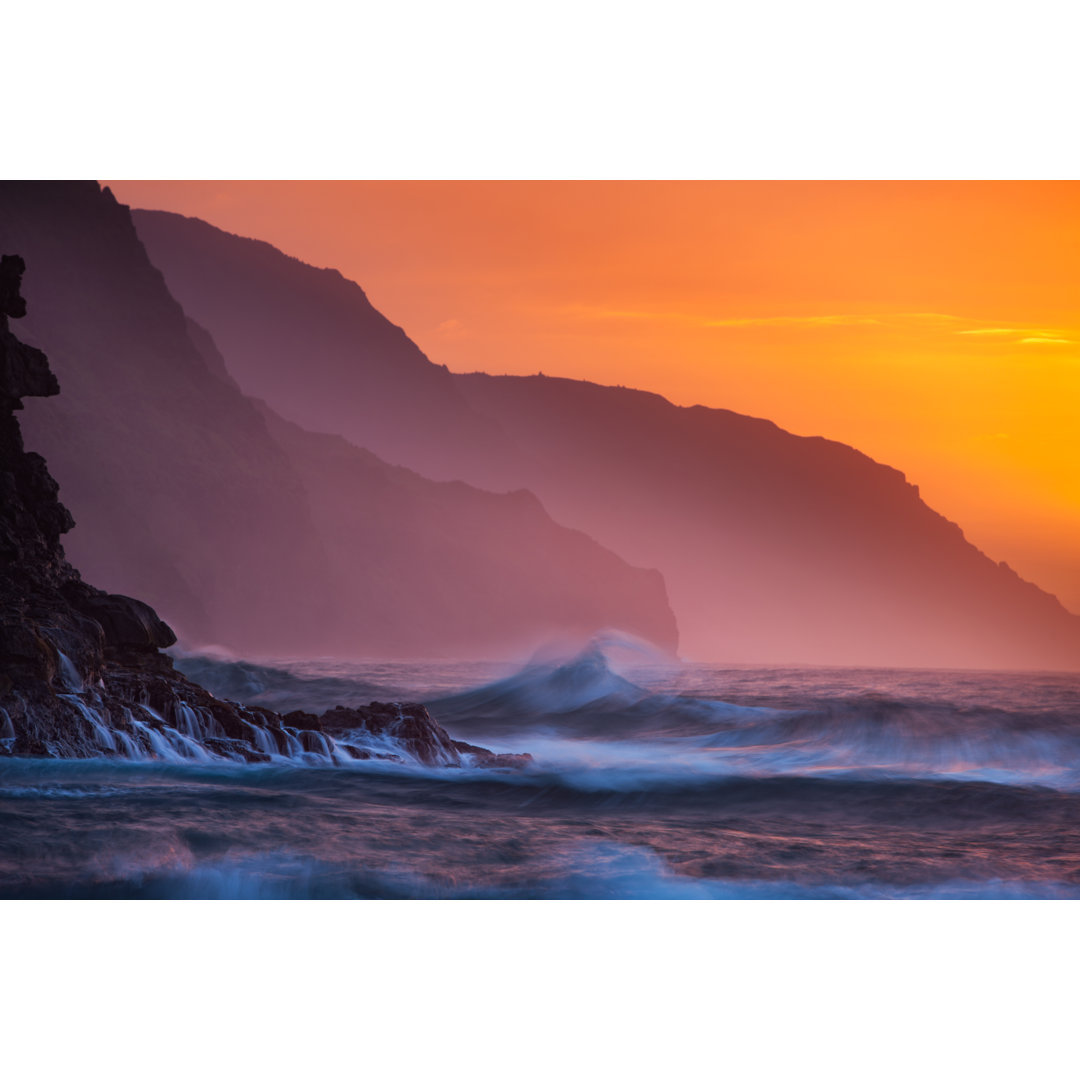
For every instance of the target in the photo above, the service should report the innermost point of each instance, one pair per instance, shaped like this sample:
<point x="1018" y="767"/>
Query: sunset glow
<point x="933" y="326"/>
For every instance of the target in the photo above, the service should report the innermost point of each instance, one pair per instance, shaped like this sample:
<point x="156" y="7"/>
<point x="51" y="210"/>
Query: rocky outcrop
<point x="82" y="673"/>
<point x="365" y="731"/>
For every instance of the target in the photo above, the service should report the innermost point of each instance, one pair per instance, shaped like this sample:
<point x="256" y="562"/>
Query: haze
<point x="931" y="325"/>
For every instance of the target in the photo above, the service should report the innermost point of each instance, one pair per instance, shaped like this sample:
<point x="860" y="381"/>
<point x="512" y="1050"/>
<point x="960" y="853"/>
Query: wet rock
<point x="303" y="720"/>
<point x="81" y="670"/>
<point x="313" y="742"/>
<point x="488" y="759"/>
<point x="414" y="728"/>
<point x="410" y="725"/>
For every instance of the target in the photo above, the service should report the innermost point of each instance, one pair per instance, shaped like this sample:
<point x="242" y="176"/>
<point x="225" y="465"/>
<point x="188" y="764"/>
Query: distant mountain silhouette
<point x="472" y="560"/>
<point x="231" y="523"/>
<point x="388" y="394"/>
<point x="775" y="548"/>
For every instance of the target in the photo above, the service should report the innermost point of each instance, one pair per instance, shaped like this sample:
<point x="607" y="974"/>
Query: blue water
<point x="650" y="780"/>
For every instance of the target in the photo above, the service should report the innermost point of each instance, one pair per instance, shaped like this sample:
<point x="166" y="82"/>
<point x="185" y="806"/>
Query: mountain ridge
<point x="185" y="498"/>
<point x="775" y="547"/>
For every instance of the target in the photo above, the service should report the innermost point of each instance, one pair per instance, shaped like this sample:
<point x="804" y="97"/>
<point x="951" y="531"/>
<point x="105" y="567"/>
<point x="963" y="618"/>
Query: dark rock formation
<point x="127" y="623"/>
<point x="81" y="670"/>
<point x="12" y="301"/>
<point x="363" y="729"/>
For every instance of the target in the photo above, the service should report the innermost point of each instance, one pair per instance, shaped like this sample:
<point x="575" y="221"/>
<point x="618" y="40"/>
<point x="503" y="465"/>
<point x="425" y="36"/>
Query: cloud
<point x="1020" y="335"/>
<point x="796" y="320"/>
<point x="1015" y="335"/>
<point x="451" y="328"/>
<point x="766" y="321"/>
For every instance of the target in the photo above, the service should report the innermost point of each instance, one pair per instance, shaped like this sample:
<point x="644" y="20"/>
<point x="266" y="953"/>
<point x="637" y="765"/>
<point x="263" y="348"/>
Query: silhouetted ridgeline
<point x="774" y="547"/>
<point x="473" y="560"/>
<point x="267" y="541"/>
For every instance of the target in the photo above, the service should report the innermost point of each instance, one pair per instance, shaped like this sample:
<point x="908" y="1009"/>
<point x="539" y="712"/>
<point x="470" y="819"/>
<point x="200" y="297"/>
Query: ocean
<point x="649" y="780"/>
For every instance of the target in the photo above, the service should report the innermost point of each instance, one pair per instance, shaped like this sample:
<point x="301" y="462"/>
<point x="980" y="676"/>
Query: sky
<point x="932" y="325"/>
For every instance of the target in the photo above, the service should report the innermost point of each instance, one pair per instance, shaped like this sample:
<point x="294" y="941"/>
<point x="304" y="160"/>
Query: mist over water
<point x="650" y="779"/>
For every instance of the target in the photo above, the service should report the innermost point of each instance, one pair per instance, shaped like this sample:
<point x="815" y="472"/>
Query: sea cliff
<point x="82" y="671"/>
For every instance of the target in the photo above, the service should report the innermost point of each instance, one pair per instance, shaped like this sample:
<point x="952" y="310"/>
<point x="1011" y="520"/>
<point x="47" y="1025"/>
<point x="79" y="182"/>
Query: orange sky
<point x="935" y="326"/>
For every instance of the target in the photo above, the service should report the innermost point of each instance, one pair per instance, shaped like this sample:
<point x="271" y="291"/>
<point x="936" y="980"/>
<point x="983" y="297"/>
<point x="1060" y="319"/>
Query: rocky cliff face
<point x="182" y="497"/>
<point x="82" y="673"/>
<point x="774" y="548"/>
<point x="186" y="498"/>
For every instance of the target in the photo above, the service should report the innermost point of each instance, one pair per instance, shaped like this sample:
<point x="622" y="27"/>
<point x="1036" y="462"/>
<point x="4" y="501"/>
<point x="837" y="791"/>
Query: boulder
<point x="126" y="622"/>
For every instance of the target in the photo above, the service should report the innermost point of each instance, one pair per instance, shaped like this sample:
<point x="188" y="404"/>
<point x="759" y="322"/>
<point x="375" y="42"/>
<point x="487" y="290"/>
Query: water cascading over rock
<point x="82" y="673"/>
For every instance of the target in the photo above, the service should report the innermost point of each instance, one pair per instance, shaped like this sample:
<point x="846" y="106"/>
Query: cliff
<point x="775" y="548"/>
<point x="266" y="311"/>
<point x="82" y="673"/>
<point x="472" y="559"/>
<point x="185" y="496"/>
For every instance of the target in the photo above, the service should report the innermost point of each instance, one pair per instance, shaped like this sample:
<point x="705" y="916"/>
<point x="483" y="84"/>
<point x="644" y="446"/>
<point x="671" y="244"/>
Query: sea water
<point x="649" y="780"/>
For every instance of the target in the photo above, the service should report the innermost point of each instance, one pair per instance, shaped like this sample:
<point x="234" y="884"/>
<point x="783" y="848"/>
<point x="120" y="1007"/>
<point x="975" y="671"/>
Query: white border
<point x="476" y="990"/>
<point x="774" y="89"/>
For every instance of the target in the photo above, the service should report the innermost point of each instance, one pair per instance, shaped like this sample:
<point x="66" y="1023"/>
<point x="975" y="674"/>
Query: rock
<point x="81" y="670"/>
<point x="127" y="623"/>
<point x="488" y="759"/>
<point x="303" y="720"/>
<point x="418" y="732"/>
<point x="12" y="304"/>
<point x="24" y="372"/>
<point x="410" y="725"/>
<point x="357" y="754"/>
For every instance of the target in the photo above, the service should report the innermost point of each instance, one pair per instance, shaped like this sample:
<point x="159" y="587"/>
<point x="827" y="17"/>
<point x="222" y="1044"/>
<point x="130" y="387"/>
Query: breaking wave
<point x="650" y="780"/>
